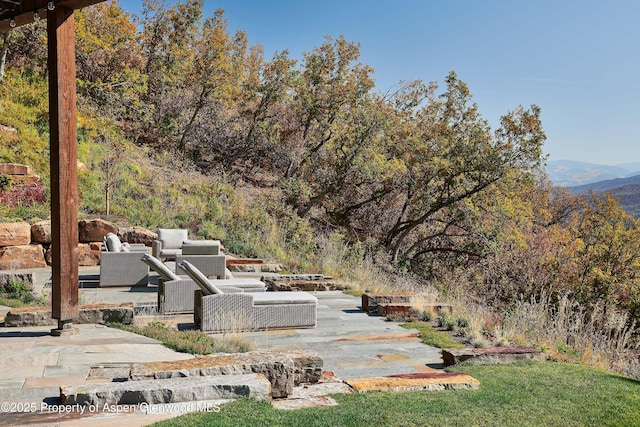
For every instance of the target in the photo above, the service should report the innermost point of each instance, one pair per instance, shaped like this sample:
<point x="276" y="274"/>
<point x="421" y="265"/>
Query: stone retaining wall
<point x="97" y="313"/>
<point x="27" y="246"/>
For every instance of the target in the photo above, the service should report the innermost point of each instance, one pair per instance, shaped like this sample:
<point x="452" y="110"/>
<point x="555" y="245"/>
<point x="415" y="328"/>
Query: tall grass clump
<point x="599" y="336"/>
<point x="351" y="265"/>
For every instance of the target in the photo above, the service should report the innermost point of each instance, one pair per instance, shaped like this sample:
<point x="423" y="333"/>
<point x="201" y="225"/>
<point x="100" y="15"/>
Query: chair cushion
<point x="241" y="283"/>
<point x="201" y="247"/>
<point x="270" y="298"/>
<point x="169" y="253"/>
<point x="112" y="242"/>
<point x="172" y="238"/>
<point x="200" y="279"/>
<point x="156" y="265"/>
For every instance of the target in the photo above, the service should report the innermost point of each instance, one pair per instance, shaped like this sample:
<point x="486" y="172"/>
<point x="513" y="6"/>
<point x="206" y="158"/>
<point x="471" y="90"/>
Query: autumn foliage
<point x="415" y="178"/>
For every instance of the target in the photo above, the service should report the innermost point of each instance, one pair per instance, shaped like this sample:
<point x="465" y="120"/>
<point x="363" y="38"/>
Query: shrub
<point x="18" y="291"/>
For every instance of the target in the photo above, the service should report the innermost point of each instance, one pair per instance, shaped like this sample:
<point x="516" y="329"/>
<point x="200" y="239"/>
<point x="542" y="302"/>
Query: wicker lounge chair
<point x="175" y="292"/>
<point x="120" y="263"/>
<point x="169" y="243"/>
<point x="218" y="311"/>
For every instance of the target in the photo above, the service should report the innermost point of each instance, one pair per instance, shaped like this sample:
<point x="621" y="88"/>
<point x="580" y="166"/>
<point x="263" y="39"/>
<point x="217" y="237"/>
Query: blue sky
<point x="579" y="60"/>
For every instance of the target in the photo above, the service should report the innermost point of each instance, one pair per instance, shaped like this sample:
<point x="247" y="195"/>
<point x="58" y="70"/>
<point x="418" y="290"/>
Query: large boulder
<point x="89" y="253"/>
<point x="94" y="230"/>
<point x="137" y="235"/>
<point x="15" y="233"/>
<point x="22" y="257"/>
<point x="41" y="232"/>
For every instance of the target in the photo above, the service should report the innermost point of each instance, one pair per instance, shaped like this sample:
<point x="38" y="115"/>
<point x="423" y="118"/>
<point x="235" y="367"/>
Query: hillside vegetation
<point x="183" y="124"/>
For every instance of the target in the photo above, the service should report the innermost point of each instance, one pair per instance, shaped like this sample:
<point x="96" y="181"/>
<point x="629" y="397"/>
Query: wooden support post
<point x="64" y="169"/>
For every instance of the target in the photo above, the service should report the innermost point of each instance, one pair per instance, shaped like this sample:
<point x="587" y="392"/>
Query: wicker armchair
<point x="176" y="293"/>
<point x="169" y="243"/>
<point x="120" y="264"/>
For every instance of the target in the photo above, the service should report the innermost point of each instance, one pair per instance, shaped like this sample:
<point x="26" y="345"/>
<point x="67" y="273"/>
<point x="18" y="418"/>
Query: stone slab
<point x="11" y="383"/>
<point x="371" y="300"/>
<point x="56" y="371"/>
<point x="415" y="382"/>
<point x="283" y="369"/>
<point x="14" y="168"/>
<point x="28" y="394"/>
<point x="113" y="371"/>
<point x="243" y="261"/>
<point x="94" y="313"/>
<point x="491" y="355"/>
<point x="172" y="390"/>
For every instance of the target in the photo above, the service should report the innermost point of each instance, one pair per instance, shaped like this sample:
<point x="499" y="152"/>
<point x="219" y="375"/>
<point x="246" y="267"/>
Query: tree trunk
<point x="107" y="202"/>
<point x="3" y="53"/>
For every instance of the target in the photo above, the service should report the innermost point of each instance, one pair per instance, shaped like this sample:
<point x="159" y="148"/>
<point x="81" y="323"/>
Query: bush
<point x="18" y="291"/>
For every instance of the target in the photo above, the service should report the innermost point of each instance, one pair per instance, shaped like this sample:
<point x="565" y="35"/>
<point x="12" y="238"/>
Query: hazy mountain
<point x="569" y="173"/>
<point x="625" y="190"/>
<point x="633" y="167"/>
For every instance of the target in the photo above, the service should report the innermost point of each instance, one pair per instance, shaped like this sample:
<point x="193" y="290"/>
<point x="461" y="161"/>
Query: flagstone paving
<point x="33" y="364"/>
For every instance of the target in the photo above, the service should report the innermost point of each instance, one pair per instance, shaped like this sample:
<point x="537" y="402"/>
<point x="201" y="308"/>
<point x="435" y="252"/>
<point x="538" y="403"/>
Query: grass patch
<point x="524" y="394"/>
<point x="433" y="337"/>
<point x="17" y="294"/>
<point x="192" y="342"/>
<point x="12" y="302"/>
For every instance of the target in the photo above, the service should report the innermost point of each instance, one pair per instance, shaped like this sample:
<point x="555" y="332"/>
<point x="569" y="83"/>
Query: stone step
<point x="371" y="300"/>
<point x="172" y="390"/>
<point x="284" y="369"/>
<point x="416" y="382"/>
<point x="491" y="355"/>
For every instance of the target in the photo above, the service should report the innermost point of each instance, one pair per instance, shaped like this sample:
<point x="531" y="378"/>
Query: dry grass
<point x="193" y="342"/>
<point x="360" y="270"/>
<point x="597" y="337"/>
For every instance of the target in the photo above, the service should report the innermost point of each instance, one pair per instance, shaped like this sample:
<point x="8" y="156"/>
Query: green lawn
<point x="525" y="394"/>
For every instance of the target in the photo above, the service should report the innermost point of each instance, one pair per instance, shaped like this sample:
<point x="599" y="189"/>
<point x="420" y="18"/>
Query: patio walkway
<point x="34" y="364"/>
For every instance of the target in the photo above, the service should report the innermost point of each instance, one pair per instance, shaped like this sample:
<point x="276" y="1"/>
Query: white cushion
<point x="270" y="298"/>
<point x="200" y="279"/>
<point x="156" y="265"/>
<point x="241" y="283"/>
<point x="172" y="238"/>
<point x="112" y="242"/>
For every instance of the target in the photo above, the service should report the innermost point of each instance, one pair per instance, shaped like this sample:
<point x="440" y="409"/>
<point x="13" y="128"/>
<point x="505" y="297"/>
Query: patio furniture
<point x="218" y="311"/>
<point x="176" y="292"/>
<point x="169" y="243"/>
<point x="120" y="263"/>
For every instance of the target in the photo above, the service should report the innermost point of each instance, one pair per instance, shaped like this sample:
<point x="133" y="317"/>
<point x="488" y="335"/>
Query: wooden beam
<point x="64" y="167"/>
<point x="23" y="13"/>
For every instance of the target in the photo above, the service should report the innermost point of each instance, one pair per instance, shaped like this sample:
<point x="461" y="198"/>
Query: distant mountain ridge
<point x="606" y="186"/>
<point x="625" y="190"/>
<point x="621" y="181"/>
<point x="569" y="173"/>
